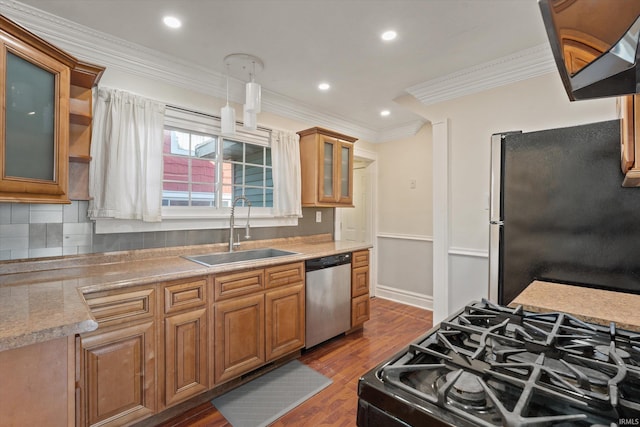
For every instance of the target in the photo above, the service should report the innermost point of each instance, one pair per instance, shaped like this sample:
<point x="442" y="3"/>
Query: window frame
<point x="202" y="217"/>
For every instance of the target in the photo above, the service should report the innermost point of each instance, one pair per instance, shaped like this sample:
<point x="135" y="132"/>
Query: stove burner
<point x="489" y="365"/>
<point x="604" y="350"/>
<point x="466" y="388"/>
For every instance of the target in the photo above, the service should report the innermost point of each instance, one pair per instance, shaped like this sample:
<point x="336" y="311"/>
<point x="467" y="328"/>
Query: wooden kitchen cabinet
<point x="185" y="367"/>
<point x="119" y="375"/>
<point x="326" y="161"/>
<point x="34" y="129"/>
<point x="257" y="326"/>
<point x="359" y="288"/>
<point x="285" y="310"/>
<point x="186" y="355"/>
<point x="239" y="336"/>
<point x="118" y="360"/>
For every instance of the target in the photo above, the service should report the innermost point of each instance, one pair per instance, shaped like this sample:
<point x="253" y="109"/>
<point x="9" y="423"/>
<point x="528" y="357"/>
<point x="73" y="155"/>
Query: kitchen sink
<point x="229" y="257"/>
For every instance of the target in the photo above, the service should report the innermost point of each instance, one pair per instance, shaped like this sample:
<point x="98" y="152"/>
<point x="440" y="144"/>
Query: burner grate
<point x="492" y="365"/>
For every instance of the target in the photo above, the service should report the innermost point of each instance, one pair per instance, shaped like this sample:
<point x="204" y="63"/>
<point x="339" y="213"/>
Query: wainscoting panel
<point x="468" y="277"/>
<point x="405" y="269"/>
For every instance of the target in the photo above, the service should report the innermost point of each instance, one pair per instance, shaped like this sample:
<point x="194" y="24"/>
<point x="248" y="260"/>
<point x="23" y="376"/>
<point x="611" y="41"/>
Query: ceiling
<point x="304" y="42"/>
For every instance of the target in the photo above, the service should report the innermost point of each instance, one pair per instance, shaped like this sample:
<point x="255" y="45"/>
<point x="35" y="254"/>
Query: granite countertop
<point x="592" y="305"/>
<point x="43" y="299"/>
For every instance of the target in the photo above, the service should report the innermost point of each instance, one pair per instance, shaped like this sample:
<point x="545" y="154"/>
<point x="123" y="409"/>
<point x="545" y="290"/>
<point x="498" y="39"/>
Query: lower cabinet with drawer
<point x="118" y="360"/>
<point x="185" y="359"/>
<point x="263" y="324"/>
<point x="359" y="289"/>
<point x="159" y="345"/>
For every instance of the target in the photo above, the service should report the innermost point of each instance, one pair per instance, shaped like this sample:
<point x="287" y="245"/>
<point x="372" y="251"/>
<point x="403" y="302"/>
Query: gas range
<point x="489" y="365"/>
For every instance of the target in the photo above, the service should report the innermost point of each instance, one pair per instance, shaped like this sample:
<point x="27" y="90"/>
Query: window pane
<point x="268" y="156"/>
<point x="227" y="196"/>
<point x="177" y="142"/>
<point x="232" y="151"/>
<point x="255" y="195"/>
<point x="254" y="175"/>
<point x="203" y="171"/>
<point x="205" y="146"/>
<point x="268" y="178"/>
<point x="202" y="194"/>
<point x="237" y="192"/>
<point x="254" y="154"/>
<point x="176" y="169"/>
<point x="268" y="198"/>
<point x="175" y="194"/>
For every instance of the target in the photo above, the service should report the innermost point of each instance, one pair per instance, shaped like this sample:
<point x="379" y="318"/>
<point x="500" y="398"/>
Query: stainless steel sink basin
<point x="229" y="257"/>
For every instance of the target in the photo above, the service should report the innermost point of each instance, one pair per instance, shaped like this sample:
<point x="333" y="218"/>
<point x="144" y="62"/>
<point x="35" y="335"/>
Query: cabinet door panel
<point x="345" y="195"/>
<point x="119" y="372"/>
<point x="285" y="321"/>
<point x="359" y="310"/>
<point x="359" y="281"/>
<point x="327" y="177"/>
<point x="185" y="355"/>
<point x="239" y="337"/>
<point x="35" y="120"/>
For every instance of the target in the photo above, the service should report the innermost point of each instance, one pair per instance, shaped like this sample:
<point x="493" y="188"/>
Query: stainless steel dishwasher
<point x="328" y="297"/>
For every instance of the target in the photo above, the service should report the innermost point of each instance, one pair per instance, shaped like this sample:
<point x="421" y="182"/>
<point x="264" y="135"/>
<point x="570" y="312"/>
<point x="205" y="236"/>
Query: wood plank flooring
<point x="344" y="359"/>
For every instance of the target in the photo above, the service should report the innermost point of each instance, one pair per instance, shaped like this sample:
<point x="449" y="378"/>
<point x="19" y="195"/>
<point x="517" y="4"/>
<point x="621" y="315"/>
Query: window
<point x="203" y="172"/>
<point x="203" y="169"/>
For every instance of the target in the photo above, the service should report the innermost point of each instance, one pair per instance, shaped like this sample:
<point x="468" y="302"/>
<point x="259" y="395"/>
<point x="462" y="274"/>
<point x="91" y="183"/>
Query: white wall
<point x="405" y="220"/>
<point x="535" y="104"/>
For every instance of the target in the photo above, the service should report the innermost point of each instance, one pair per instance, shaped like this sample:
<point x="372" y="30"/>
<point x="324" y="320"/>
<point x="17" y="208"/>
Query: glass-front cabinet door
<point x="34" y="124"/>
<point x="327" y="175"/>
<point x="345" y="196"/>
<point x="326" y="167"/>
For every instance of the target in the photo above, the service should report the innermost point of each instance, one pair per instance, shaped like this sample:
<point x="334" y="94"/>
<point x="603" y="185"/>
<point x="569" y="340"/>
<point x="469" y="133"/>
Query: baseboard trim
<point x="405" y="297"/>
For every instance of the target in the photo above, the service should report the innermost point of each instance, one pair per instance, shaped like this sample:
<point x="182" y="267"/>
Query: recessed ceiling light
<point x="172" y="22"/>
<point x="324" y="86"/>
<point x="385" y="113"/>
<point x="389" y="35"/>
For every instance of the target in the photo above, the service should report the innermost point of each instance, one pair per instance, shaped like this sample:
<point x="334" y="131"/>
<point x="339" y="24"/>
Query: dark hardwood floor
<point x="344" y="359"/>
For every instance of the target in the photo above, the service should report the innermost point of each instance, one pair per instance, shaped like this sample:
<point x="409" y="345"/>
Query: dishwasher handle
<point x="327" y="262"/>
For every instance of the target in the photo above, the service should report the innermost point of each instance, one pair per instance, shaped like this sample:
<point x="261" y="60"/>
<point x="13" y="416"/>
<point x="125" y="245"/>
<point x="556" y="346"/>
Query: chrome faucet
<point x="233" y="244"/>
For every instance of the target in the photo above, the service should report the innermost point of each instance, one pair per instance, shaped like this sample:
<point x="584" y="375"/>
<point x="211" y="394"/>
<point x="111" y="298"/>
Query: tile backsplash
<point x="34" y="231"/>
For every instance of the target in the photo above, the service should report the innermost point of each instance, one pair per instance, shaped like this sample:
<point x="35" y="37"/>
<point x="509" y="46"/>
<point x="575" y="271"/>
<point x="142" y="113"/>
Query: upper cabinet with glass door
<point x="34" y="124"/>
<point x="327" y="168"/>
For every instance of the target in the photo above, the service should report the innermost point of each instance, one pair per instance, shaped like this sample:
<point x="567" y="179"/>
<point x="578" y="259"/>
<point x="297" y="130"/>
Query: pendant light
<point x="253" y="93"/>
<point x="228" y="115"/>
<point x="249" y="119"/>
<point x="244" y="66"/>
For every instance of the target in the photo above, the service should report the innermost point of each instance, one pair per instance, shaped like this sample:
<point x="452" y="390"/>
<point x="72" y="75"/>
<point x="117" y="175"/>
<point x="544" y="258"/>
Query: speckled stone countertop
<point x="43" y="299"/>
<point x="591" y="305"/>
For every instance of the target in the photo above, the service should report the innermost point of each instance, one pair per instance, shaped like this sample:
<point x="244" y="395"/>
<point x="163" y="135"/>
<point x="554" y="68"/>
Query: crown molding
<point x="521" y="65"/>
<point x="112" y="52"/>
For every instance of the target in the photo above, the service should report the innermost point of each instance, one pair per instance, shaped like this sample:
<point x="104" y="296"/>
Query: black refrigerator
<point x="559" y="213"/>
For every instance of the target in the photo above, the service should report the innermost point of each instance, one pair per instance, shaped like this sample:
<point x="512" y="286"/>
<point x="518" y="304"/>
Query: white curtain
<point x="285" y="156"/>
<point x="125" y="174"/>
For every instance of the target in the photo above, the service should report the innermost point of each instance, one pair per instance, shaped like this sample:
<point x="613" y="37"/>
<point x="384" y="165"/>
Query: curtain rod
<point x="188" y="110"/>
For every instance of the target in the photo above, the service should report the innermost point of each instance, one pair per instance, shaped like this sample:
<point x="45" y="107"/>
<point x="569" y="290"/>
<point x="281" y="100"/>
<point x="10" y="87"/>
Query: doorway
<point x="358" y="224"/>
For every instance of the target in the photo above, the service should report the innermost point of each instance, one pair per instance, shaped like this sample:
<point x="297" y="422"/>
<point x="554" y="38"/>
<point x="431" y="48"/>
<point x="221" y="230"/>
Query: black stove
<point x="489" y="365"/>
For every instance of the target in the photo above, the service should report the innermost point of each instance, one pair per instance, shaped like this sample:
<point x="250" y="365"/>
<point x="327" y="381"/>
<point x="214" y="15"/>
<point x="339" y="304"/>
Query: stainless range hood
<point x="595" y="45"/>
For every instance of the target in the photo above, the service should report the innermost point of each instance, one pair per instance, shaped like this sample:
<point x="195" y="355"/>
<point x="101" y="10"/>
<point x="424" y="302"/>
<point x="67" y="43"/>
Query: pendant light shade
<point x="253" y="97"/>
<point x="228" y="121"/>
<point x="228" y="114"/>
<point x="249" y="119"/>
